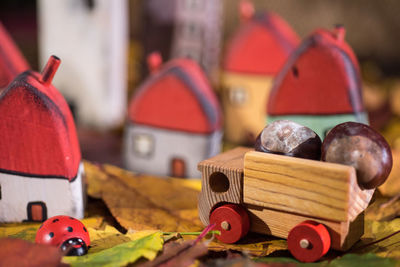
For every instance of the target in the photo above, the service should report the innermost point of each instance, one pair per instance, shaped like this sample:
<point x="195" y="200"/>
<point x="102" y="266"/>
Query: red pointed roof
<point x="261" y="45"/>
<point x="321" y="77"/>
<point x="12" y="62"/>
<point x="177" y="97"/>
<point x="38" y="132"/>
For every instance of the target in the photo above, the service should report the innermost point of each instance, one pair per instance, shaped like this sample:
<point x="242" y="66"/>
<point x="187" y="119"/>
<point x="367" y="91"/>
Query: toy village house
<point x="320" y="84"/>
<point x="40" y="161"/>
<point x="174" y="121"/>
<point x="254" y="56"/>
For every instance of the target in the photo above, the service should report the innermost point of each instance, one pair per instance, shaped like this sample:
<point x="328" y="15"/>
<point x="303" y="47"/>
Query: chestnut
<point x="290" y="139"/>
<point x="358" y="145"/>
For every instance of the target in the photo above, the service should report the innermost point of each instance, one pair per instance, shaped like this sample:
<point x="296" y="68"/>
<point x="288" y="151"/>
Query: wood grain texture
<point x="229" y="164"/>
<point x="312" y="188"/>
<point x="278" y="223"/>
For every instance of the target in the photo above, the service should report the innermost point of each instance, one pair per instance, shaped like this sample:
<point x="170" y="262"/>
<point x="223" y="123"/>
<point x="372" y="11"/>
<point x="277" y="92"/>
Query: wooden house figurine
<point x="40" y="160"/>
<point x="254" y="56"/>
<point x="12" y="62"/>
<point x="92" y="39"/>
<point x="320" y="84"/>
<point x="174" y="120"/>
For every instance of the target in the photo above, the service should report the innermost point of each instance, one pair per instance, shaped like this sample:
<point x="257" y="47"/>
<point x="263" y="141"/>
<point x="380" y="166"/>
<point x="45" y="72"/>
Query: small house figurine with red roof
<point x="12" y="62"/>
<point x="320" y="84"/>
<point x="254" y="56"/>
<point x="174" y="120"/>
<point x="40" y="160"/>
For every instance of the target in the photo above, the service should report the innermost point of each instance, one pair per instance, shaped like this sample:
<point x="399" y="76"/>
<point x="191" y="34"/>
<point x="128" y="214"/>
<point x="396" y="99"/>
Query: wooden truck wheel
<point x="233" y="222"/>
<point x="309" y="241"/>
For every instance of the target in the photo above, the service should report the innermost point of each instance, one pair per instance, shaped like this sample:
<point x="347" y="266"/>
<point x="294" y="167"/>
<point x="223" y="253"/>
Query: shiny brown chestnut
<point x="289" y="138"/>
<point x="358" y="145"/>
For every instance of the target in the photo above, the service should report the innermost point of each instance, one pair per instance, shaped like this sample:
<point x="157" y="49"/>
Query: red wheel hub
<point x="233" y="222"/>
<point x="309" y="241"/>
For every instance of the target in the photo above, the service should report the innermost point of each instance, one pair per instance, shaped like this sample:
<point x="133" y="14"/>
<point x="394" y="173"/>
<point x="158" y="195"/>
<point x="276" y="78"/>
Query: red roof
<point x="321" y="77"/>
<point x="38" y="132"/>
<point x="12" y="62"/>
<point x="261" y="45"/>
<point x="178" y="97"/>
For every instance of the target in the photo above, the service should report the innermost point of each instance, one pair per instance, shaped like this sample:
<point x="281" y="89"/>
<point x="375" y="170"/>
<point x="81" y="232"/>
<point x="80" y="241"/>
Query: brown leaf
<point x="144" y="202"/>
<point x="20" y="253"/>
<point x="178" y="254"/>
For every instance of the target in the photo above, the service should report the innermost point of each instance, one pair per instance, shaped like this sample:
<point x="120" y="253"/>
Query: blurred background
<point x="372" y="30"/>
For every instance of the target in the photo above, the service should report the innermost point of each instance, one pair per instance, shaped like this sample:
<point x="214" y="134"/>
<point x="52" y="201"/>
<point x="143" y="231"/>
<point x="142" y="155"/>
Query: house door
<point x="37" y="211"/>
<point x="178" y="168"/>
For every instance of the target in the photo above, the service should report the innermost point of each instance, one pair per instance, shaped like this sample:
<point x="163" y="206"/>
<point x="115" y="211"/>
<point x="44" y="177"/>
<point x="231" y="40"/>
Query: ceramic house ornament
<point x="254" y="56"/>
<point x="320" y="85"/>
<point x="174" y="120"/>
<point x="40" y="160"/>
<point x="12" y="62"/>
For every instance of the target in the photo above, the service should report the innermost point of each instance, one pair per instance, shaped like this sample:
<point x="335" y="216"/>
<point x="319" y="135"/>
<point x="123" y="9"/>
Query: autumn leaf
<point x="375" y="231"/>
<point x="120" y="255"/>
<point x="145" y="202"/>
<point x="18" y="252"/>
<point x="110" y="237"/>
<point x="365" y="260"/>
<point x="256" y="249"/>
<point x="178" y="254"/>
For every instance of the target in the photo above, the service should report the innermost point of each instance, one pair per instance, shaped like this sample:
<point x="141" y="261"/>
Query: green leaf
<point x="123" y="254"/>
<point x="365" y="260"/>
<point x="348" y="260"/>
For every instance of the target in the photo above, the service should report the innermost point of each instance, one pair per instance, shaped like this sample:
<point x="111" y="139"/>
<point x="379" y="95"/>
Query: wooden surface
<point x="229" y="164"/>
<point x="278" y="223"/>
<point x="312" y="188"/>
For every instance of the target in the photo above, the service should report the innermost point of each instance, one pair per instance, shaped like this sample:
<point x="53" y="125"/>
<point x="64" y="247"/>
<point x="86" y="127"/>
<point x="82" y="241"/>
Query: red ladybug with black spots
<point x="67" y="233"/>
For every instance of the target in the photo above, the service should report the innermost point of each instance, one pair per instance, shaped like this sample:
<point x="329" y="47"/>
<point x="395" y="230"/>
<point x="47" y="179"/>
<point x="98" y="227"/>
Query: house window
<point x="237" y="96"/>
<point x="143" y="145"/>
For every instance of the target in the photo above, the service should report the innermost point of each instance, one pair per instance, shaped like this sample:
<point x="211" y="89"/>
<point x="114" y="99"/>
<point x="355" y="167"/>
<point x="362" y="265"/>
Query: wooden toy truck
<point x="315" y="205"/>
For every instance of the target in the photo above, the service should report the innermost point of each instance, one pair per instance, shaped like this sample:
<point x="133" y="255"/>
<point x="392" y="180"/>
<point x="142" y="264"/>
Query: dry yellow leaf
<point x="376" y="230"/>
<point x="110" y="237"/>
<point x="141" y="202"/>
<point x="258" y="249"/>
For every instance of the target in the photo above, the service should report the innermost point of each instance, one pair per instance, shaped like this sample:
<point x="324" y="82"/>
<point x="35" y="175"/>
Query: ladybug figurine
<point x="67" y="233"/>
